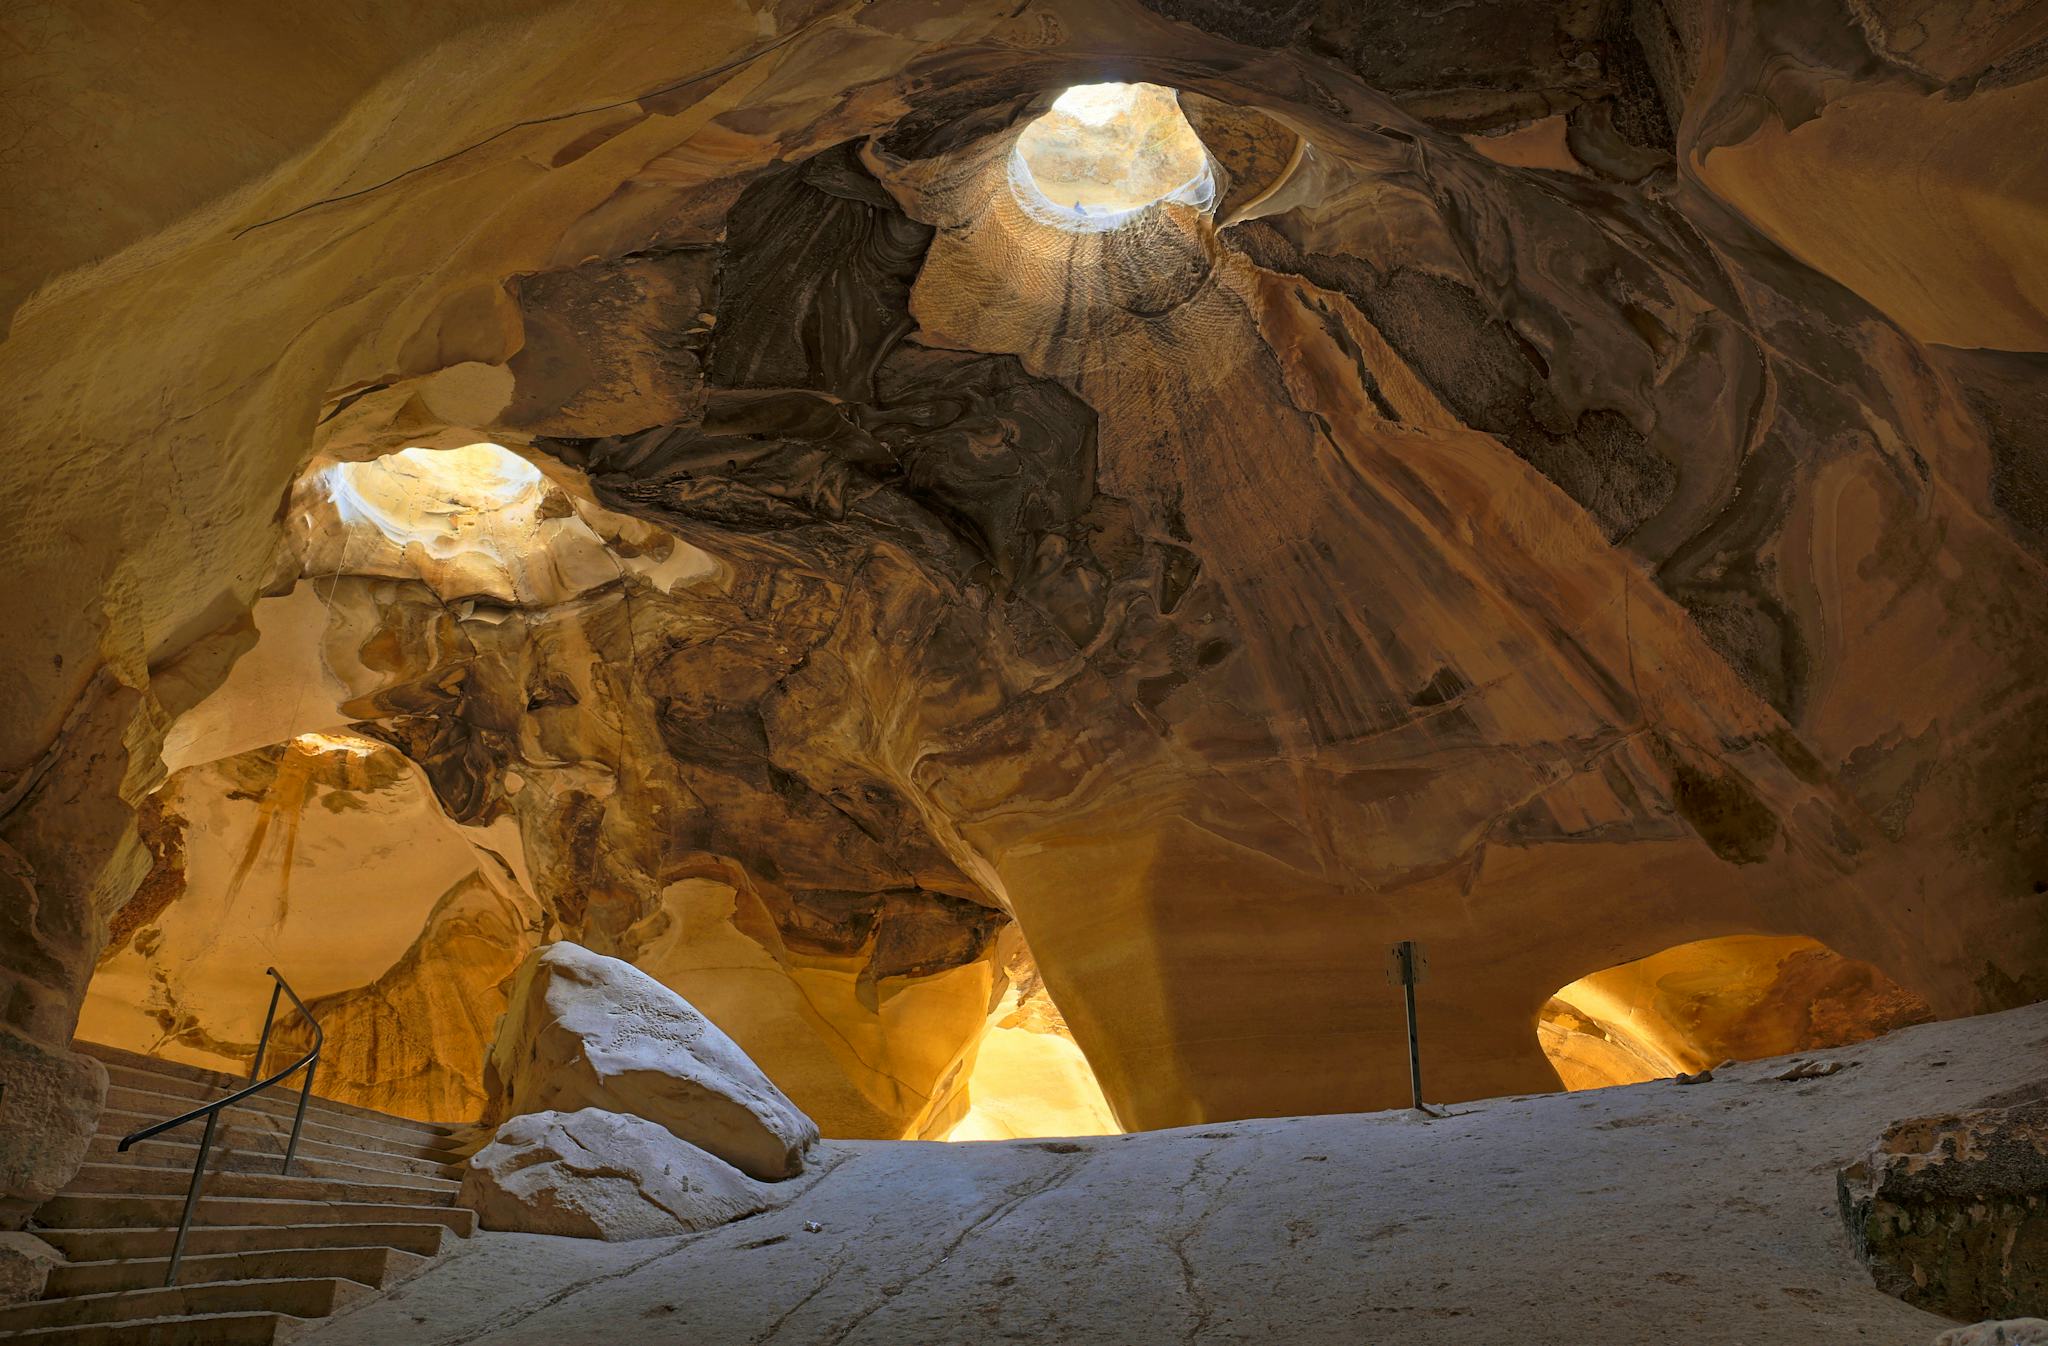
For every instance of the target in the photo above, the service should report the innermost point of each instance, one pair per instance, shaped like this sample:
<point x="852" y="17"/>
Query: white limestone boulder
<point x="585" y="1031"/>
<point x="603" y="1175"/>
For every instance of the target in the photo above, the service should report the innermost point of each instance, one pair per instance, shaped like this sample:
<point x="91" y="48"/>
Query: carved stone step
<point x="213" y="1329"/>
<point x="300" y="1298"/>
<point x="371" y="1266"/>
<point x="107" y="1210"/>
<point x="315" y="1159"/>
<point x="279" y="1100"/>
<point x="85" y="1244"/>
<point x="250" y="1129"/>
<point x="152" y="1180"/>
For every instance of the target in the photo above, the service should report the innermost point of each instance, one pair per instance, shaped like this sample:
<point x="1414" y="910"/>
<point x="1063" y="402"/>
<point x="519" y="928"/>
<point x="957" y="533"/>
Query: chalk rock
<point x="1298" y="557"/>
<point x="52" y="1099"/>
<point x="585" y="1031"/>
<point x="2011" y="1332"/>
<point x="1951" y="1212"/>
<point x="603" y="1175"/>
<point x="329" y="855"/>
<point x="25" y="1263"/>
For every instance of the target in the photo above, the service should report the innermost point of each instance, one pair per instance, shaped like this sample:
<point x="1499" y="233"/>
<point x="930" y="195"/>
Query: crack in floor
<point x="669" y="1248"/>
<point x="1018" y="1194"/>
<point x="1204" y="1312"/>
<point x="576" y="1287"/>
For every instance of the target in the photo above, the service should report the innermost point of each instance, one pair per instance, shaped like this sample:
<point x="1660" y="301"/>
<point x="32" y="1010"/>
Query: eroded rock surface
<point x="586" y="1031"/>
<point x="51" y="1103"/>
<point x="1702" y="1216"/>
<point x="859" y="974"/>
<point x="1951" y="1212"/>
<point x="329" y="857"/>
<point x="25" y="1263"/>
<point x="603" y="1175"/>
<point x="1547" y="524"/>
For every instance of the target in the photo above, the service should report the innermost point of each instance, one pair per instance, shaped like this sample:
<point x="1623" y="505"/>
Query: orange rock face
<point x="1687" y="1009"/>
<point x="1570" y="491"/>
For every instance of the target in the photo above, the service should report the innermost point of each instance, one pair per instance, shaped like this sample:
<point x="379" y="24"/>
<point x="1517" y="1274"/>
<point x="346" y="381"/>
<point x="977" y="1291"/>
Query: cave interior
<point x="1011" y="556"/>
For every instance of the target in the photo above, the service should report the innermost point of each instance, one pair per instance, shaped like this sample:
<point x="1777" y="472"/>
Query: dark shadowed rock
<point x="1951" y="1212"/>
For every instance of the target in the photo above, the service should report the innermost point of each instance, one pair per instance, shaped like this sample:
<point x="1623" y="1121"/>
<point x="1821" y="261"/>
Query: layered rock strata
<point x="1546" y="525"/>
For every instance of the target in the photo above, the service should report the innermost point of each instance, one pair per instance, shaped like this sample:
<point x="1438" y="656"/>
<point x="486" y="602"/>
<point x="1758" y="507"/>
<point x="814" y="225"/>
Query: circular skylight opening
<point x="1104" y="152"/>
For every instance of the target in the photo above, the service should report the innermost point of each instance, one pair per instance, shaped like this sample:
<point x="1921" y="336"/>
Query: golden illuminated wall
<point x="1030" y="1077"/>
<point x="1696" y="1005"/>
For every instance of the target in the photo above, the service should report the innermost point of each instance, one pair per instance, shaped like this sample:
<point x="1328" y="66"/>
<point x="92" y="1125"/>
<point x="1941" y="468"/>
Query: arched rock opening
<point x="582" y="699"/>
<point x="328" y="855"/>
<point x="1738" y="997"/>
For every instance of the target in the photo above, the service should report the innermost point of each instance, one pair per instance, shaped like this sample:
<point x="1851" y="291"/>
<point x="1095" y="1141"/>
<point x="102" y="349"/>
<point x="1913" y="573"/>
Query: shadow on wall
<point x="1696" y="1005"/>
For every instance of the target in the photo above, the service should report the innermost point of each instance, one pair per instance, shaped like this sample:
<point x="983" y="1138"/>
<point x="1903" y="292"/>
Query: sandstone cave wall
<point x="1556" y="536"/>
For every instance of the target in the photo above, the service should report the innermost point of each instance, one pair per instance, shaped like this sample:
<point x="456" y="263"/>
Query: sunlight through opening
<point x="1106" y="151"/>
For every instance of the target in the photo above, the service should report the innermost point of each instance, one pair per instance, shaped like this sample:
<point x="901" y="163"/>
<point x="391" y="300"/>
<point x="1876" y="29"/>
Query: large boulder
<point x="603" y="1175"/>
<point x="1951" y="1212"/>
<point x="25" y="1263"/>
<point x="50" y="1097"/>
<point x="585" y="1031"/>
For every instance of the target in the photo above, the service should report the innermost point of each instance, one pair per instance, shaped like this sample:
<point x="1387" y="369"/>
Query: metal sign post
<point x="1406" y="965"/>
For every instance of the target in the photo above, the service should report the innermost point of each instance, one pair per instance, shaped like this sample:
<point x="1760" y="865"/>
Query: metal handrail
<point x="211" y="1111"/>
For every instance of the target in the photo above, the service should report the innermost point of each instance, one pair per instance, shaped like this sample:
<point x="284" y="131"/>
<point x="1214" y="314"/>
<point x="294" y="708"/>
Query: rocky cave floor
<point x="1654" y="1212"/>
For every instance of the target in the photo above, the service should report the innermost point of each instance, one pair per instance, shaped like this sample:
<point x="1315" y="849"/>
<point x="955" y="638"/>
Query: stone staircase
<point x="370" y="1200"/>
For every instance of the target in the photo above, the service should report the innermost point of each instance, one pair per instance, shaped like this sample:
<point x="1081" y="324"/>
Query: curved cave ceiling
<point x="1553" y="495"/>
